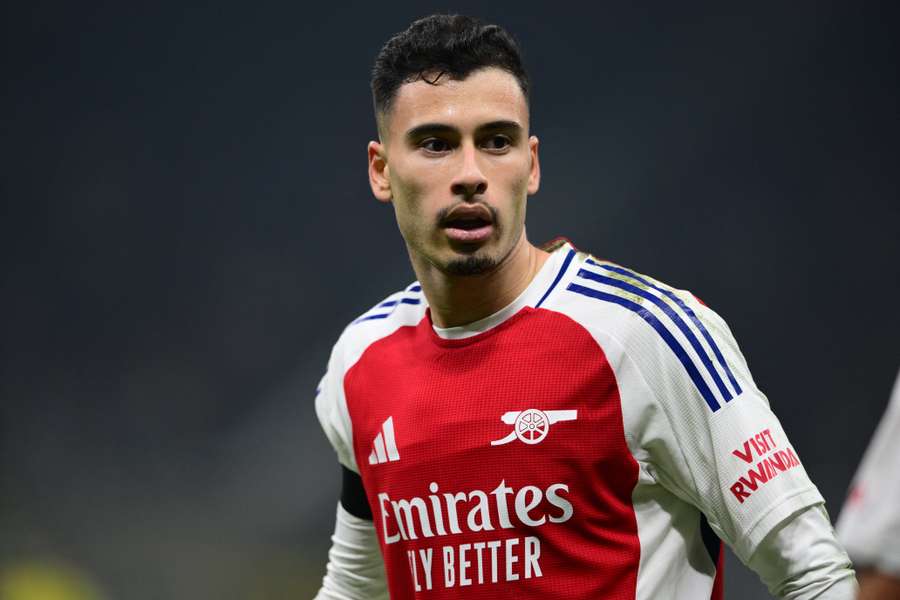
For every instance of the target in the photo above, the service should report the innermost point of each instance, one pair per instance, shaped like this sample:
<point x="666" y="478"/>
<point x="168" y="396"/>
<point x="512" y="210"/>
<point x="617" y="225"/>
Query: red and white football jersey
<point x="583" y="442"/>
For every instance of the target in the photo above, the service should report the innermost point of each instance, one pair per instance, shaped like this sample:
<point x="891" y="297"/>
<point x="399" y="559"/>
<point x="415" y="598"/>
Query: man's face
<point x="457" y="163"/>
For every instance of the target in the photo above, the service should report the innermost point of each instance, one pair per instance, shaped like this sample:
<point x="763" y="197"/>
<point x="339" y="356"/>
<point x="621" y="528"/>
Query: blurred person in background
<point x="532" y="421"/>
<point x="869" y="524"/>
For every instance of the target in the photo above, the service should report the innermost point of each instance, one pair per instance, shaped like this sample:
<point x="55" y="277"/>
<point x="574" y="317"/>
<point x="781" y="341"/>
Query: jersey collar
<point x="531" y="296"/>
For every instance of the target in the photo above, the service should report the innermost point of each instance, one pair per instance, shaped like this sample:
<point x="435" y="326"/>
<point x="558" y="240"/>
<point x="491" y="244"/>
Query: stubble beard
<point x="470" y="265"/>
<point x="478" y="261"/>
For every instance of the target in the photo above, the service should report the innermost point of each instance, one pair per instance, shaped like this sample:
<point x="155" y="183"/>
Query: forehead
<point x="484" y="96"/>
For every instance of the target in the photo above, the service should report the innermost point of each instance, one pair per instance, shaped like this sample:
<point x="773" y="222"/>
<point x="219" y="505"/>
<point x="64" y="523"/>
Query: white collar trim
<point x="530" y="296"/>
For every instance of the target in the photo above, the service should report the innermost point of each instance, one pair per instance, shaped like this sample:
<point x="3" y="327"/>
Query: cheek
<point x="517" y="186"/>
<point x="520" y="189"/>
<point x="408" y="200"/>
<point x="406" y="188"/>
<point x="515" y="171"/>
<point x="418" y="187"/>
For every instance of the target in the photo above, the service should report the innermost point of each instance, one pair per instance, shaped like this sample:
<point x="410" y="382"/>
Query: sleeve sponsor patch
<point x="767" y="460"/>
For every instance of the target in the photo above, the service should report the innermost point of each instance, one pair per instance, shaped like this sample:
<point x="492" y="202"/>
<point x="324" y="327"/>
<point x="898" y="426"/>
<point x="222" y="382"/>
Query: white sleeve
<point x="355" y="568"/>
<point x="714" y="441"/>
<point x="869" y="524"/>
<point x="802" y="560"/>
<point x="331" y="409"/>
<point x="700" y="427"/>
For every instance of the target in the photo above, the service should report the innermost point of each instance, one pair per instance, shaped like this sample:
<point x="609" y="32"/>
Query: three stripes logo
<point x="384" y="448"/>
<point x="675" y="322"/>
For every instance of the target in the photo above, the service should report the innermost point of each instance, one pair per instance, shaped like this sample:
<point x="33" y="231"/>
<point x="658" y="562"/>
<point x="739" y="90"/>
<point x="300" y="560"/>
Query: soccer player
<point x="535" y="422"/>
<point x="869" y="525"/>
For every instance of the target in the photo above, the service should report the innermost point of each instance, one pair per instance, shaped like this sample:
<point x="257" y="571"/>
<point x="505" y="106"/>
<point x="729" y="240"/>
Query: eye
<point x="497" y="143"/>
<point x="434" y="145"/>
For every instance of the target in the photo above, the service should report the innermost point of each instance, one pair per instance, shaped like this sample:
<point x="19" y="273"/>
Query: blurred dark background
<point x="186" y="227"/>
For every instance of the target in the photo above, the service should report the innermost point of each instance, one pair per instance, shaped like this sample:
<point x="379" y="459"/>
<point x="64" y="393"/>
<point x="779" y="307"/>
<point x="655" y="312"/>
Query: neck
<point x="457" y="300"/>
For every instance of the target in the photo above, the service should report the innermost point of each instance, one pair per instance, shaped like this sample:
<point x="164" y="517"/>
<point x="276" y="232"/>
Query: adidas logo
<point x="384" y="448"/>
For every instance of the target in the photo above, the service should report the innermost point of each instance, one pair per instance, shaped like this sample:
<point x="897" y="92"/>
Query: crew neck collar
<point x="531" y="296"/>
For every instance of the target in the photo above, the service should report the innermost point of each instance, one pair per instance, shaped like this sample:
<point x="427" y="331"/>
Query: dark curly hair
<point x="452" y="45"/>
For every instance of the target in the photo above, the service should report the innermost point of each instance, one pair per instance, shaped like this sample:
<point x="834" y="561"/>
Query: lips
<point x="468" y="217"/>
<point x="468" y="223"/>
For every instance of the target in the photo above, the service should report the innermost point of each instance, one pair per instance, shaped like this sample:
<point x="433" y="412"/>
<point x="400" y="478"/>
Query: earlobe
<point x="379" y="173"/>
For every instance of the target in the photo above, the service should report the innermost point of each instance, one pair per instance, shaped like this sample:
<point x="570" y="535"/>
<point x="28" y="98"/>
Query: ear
<point x="379" y="174"/>
<point x="534" y="176"/>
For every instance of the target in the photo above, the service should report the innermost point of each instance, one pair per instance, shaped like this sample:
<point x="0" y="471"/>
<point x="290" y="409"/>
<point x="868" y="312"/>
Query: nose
<point x="469" y="180"/>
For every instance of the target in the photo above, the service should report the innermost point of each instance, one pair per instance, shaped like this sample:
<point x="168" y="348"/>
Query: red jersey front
<point x="566" y="447"/>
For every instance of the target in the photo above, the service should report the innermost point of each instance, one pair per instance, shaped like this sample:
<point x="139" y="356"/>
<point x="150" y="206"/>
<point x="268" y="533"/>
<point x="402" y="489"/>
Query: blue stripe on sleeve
<point x="695" y="343"/>
<point x="372" y="317"/>
<point x="673" y="344"/>
<point x="687" y="310"/>
<point x="387" y="303"/>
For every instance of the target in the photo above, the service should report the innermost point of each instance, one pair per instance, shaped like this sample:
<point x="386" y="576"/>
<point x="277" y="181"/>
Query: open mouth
<point x="467" y="217"/>
<point x="467" y="223"/>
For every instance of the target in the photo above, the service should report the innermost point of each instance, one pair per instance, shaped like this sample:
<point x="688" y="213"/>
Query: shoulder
<point x="606" y="295"/>
<point x="404" y="308"/>
<point x="666" y="331"/>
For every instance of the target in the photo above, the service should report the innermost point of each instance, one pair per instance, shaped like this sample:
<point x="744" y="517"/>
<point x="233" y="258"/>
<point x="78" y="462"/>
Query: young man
<point x="537" y="423"/>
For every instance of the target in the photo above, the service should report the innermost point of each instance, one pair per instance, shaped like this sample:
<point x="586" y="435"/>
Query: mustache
<point x="443" y="216"/>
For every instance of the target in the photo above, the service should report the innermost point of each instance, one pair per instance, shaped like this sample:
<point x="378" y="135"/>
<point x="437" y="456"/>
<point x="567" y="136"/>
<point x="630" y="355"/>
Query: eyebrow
<point x="441" y="128"/>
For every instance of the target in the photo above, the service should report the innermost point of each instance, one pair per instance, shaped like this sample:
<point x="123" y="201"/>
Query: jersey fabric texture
<point x="869" y="525"/>
<point x="583" y="442"/>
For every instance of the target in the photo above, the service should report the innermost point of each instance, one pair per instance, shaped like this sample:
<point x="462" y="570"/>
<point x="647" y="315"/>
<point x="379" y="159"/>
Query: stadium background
<point x="186" y="227"/>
